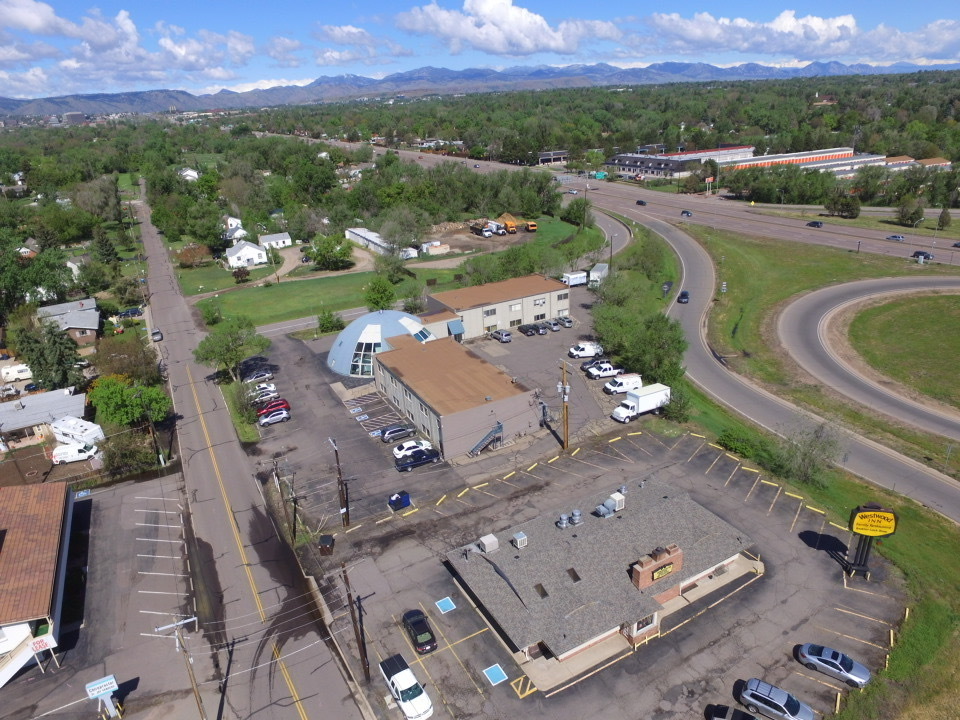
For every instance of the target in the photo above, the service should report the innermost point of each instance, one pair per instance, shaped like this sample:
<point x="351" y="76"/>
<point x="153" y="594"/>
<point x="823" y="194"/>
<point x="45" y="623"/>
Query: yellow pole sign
<point x="873" y="521"/>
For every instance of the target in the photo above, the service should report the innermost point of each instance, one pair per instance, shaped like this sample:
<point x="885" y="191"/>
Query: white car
<point x="262" y="387"/>
<point x="263" y="397"/>
<point x="574" y="192"/>
<point x="258" y="376"/>
<point x="409" y="447"/>
<point x="276" y="416"/>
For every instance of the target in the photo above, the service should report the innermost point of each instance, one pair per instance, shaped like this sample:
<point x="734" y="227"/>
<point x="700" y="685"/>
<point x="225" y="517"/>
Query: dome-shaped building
<point x="353" y="350"/>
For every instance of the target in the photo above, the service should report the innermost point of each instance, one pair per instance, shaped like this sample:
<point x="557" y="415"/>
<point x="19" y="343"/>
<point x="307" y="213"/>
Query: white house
<point x="232" y="222"/>
<point x="244" y="254"/>
<point x="189" y="174"/>
<point x="276" y="240"/>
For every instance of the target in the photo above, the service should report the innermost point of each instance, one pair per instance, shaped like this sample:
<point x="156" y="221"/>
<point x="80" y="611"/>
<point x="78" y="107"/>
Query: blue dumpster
<point x="399" y="500"/>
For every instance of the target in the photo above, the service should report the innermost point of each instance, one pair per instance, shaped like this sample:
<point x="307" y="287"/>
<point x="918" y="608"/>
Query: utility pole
<point x="188" y="659"/>
<point x="341" y="488"/>
<point x="563" y="389"/>
<point x="361" y="645"/>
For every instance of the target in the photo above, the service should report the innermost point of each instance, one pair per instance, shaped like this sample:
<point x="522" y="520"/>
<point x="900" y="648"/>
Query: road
<point x="271" y="658"/>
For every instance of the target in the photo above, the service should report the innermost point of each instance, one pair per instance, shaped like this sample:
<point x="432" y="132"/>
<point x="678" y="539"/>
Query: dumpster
<point x="326" y="544"/>
<point x="399" y="500"/>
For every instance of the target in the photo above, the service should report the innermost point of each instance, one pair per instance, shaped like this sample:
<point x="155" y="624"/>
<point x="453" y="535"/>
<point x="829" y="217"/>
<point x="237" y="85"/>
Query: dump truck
<point x="648" y="399"/>
<point x="480" y="228"/>
<point x="509" y="222"/>
<point x="530" y="226"/>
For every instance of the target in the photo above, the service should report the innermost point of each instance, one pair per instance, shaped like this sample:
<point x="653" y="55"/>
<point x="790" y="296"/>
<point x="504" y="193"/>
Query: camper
<point x="72" y="452"/>
<point x="69" y="429"/>
<point x="574" y="278"/>
<point x="12" y="373"/>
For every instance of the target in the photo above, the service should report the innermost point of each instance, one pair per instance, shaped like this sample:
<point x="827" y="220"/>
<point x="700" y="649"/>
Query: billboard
<point x="873" y="521"/>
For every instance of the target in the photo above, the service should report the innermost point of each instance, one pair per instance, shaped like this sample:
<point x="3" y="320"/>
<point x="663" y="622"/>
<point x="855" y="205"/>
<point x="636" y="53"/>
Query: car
<point x="684" y="297"/>
<point x="31" y="387"/>
<point x="542" y="328"/>
<point x="264" y="397"/>
<point x="10" y="391"/>
<point x="833" y="663"/>
<point x="397" y="431"/>
<point x="896" y="238"/>
<point x="528" y="330"/>
<point x="815" y="223"/>
<point x="419" y="157"/>
<point x="552" y="325"/>
<point x="725" y="712"/>
<point x="574" y="192"/>
<point x="277" y="416"/>
<point x="476" y="166"/>
<point x="922" y="255"/>
<point x="261" y="387"/>
<point x="604" y="370"/>
<point x="416" y="459"/>
<point x="130" y="313"/>
<point x="593" y="362"/>
<point x="258" y="376"/>
<point x="411" y="446"/>
<point x="774" y="702"/>
<point x="566" y="321"/>
<point x="686" y="213"/>
<point x="503" y="336"/>
<point x="304" y="259"/>
<point x="956" y="244"/>
<point x="641" y="202"/>
<point x="273" y="405"/>
<point x="156" y="335"/>
<point x="72" y="452"/>
<point x="418" y="628"/>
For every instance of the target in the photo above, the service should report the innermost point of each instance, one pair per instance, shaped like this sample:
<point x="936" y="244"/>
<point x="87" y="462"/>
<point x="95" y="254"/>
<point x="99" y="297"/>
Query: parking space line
<point x="162" y="557"/>
<point x="638" y="446"/>
<point x="523" y="686"/>
<point x="157" y="525"/>
<point x="715" y="461"/>
<point x="692" y="456"/>
<point x="454" y="652"/>
<point x="158" y="592"/>
<point x="161" y="499"/>
<point x="852" y="637"/>
<point x="141" y="572"/>
<point x="864" y="617"/>
<point x="730" y="476"/>
<point x="160" y="612"/>
<point x="820" y="680"/>
<point x="162" y="512"/>
<point x="847" y="586"/>
<point x="796" y="515"/>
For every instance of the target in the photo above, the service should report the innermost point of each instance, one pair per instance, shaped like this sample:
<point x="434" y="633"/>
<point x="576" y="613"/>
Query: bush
<point x="211" y="313"/>
<point x="678" y="409"/>
<point x="238" y="396"/>
<point x="740" y="441"/>
<point x="328" y="322"/>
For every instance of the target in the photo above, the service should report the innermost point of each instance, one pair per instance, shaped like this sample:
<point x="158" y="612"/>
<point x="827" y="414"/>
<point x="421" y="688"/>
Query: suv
<point x="684" y="297"/>
<point x="815" y="223"/>
<point x="397" y="431"/>
<point x="896" y="238"/>
<point x="566" y="321"/>
<point x="686" y="213"/>
<point x="503" y="336"/>
<point x="922" y="255"/>
<point x="641" y="202"/>
<point x="769" y="700"/>
<point x="416" y="459"/>
<point x="528" y="330"/>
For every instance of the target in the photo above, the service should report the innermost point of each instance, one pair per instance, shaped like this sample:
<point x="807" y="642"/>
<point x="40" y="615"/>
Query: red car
<point x="279" y="404"/>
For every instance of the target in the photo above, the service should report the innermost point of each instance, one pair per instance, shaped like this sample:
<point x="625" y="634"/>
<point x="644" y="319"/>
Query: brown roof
<point x="447" y="376"/>
<point x="31" y="520"/>
<point x="441" y="316"/>
<point x="498" y="292"/>
<point x="934" y="161"/>
<point x="896" y="159"/>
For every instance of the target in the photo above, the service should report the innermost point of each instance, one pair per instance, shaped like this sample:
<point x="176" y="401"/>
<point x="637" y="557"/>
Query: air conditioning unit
<point x="603" y="511"/>
<point x="488" y="544"/>
<point x="618" y="501"/>
<point x="519" y="540"/>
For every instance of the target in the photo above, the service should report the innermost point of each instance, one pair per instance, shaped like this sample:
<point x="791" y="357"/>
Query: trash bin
<point x="326" y="544"/>
<point x="399" y="500"/>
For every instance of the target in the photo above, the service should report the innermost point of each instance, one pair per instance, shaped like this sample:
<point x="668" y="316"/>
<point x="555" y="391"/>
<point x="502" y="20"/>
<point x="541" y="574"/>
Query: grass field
<point x="212" y="277"/>
<point x="925" y="354"/>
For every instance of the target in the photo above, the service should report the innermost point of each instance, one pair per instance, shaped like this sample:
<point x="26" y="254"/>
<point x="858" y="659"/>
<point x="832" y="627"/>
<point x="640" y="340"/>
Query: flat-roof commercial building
<point x="560" y="584"/>
<point x="455" y="398"/>
<point x="506" y="304"/>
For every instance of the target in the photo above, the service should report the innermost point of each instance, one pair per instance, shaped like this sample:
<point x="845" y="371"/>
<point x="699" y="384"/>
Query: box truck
<point x="574" y="278"/>
<point x="648" y="399"/>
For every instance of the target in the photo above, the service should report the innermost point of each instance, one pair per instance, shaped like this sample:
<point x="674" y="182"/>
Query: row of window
<point x="517" y="307"/>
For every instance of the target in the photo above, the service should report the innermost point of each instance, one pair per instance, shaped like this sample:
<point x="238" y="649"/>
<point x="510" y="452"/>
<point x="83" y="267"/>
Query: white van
<point x="72" y="453"/>
<point x="12" y="373"/>
<point x="585" y="350"/>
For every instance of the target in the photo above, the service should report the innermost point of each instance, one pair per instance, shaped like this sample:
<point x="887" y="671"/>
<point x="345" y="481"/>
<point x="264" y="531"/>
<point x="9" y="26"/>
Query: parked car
<point x="593" y="362"/>
<point x="896" y="238"/>
<point x="10" y="391"/>
<point x="922" y="254"/>
<point x="552" y="325"/>
<point x="815" y="223"/>
<point x="418" y="628"/>
<point x="956" y="244"/>
<point x="769" y="700"/>
<point x="542" y="328"/>
<point x="684" y="297"/>
<point x="566" y="321"/>
<point x="31" y="387"/>
<point x="130" y="313"/>
<point x="258" y="376"/>
<point x="397" y="431"/>
<point x="528" y="330"/>
<point x="574" y="192"/>
<point x="276" y="416"/>
<point x="72" y="452"/>
<point x="503" y="336"/>
<point x="411" y="446"/>
<point x="476" y="165"/>
<point x="262" y="387"/>
<point x="156" y="335"/>
<point x="416" y="459"/>
<point x="274" y="405"/>
<point x="641" y="202"/>
<point x="725" y="712"/>
<point x="604" y="370"/>
<point x="833" y="663"/>
<point x="264" y="397"/>
<point x="686" y="213"/>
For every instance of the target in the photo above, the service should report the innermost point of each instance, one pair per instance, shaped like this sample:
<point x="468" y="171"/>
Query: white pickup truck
<point x="604" y="370"/>
<point x="411" y="698"/>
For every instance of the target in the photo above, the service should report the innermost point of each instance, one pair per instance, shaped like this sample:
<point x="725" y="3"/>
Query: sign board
<point x="663" y="571"/>
<point x="44" y="642"/>
<point x="873" y="521"/>
<point x="103" y="686"/>
<point x="709" y="179"/>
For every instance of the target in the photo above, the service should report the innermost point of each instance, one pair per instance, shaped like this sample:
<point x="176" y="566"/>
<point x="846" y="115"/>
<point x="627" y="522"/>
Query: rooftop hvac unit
<point x="562" y="522"/>
<point x="488" y="544"/>
<point x="519" y="540"/>
<point x="603" y="511"/>
<point x="576" y="517"/>
<point x="618" y="501"/>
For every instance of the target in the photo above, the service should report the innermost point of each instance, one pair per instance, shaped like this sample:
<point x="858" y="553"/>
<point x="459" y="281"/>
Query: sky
<point x="203" y="46"/>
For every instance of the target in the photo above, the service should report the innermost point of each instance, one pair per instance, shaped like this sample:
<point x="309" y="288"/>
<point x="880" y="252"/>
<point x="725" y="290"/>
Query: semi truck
<point x="648" y="399"/>
<point x="409" y="694"/>
<point x="624" y="383"/>
<point x="574" y="278"/>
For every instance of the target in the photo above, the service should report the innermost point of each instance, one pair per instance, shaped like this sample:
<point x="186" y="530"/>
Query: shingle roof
<point x="31" y="520"/>
<point x="39" y="408"/>
<point x="600" y="552"/>
<point x="447" y="376"/>
<point x="63" y="308"/>
<point x="498" y="292"/>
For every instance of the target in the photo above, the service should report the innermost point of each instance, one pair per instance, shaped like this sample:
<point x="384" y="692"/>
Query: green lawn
<point x="212" y="277"/>
<point x="925" y="354"/>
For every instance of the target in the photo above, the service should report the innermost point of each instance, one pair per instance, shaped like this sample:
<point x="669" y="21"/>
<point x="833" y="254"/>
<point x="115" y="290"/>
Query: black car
<point x="416" y="459"/>
<point x="686" y="213"/>
<point x="815" y="223"/>
<point x="684" y="297"/>
<point x="397" y="431"/>
<point x="956" y="244"/>
<point x="724" y="712"/>
<point x="130" y="313"/>
<point x="528" y="330"/>
<point x="641" y="202"/>
<point x="922" y="254"/>
<point x="418" y="628"/>
<point x="593" y="362"/>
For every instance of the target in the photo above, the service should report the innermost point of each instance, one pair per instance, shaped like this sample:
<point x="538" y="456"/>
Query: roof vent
<point x="519" y="540"/>
<point x="576" y="517"/>
<point x="488" y="543"/>
<point x="562" y="522"/>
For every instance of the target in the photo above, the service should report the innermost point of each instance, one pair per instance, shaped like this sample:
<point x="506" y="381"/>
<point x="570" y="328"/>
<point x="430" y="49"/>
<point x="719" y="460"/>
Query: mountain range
<point x="436" y="81"/>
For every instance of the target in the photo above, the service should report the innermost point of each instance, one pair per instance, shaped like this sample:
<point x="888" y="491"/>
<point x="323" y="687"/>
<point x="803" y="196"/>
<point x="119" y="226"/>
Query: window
<point x="539" y="302"/>
<point x="490" y="328"/>
<point x="406" y="394"/>
<point x="516" y="323"/>
<point x="563" y="313"/>
<point x="490" y="313"/>
<point x="563" y="295"/>
<point x="423" y="408"/>
<point x="81" y="333"/>
<point x="515" y="307"/>
<point x="541" y="316"/>
<point x="423" y="335"/>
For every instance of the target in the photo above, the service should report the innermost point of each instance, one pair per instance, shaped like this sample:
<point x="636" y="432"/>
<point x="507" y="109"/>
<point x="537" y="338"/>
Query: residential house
<point x="276" y="240"/>
<point x="245" y="254"/>
<point x="80" y="319"/>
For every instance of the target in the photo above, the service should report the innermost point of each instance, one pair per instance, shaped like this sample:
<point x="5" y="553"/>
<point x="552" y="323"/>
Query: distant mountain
<point x="437" y="81"/>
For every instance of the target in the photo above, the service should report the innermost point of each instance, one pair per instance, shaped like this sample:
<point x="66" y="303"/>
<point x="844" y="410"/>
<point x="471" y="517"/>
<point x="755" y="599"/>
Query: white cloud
<point x="31" y="83"/>
<point x="502" y="28"/>
<point x="39" y="18"/>
<point x="362" y="46"/>
<point x="283" y="50"/>
<point x="345" y="35"/>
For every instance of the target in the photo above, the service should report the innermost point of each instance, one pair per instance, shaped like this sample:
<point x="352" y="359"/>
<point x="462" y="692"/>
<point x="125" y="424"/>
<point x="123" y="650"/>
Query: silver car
<point x="774" y="702"/>
<point x="275" y="417"/>
<point x="833" y="663"/>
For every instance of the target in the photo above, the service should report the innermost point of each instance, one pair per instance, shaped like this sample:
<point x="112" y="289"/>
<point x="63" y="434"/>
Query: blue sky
<point x="83" y="46"/>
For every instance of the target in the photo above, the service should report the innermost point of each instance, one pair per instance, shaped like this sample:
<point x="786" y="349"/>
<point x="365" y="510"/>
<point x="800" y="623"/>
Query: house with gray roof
<point x="276" y="240"/>
<point x="32" y="414"/>
<point x="80" y="319"/>
<point x="245" y="254"/>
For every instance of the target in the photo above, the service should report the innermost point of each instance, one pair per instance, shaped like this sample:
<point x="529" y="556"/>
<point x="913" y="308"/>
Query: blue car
<point x="417" y="458"/>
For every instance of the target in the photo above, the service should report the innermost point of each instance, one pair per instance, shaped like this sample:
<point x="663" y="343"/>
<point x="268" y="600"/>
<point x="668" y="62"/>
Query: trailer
<point x="70" y="429"/>
<point x="598" y="273"/>
<point x="648" y="399"/>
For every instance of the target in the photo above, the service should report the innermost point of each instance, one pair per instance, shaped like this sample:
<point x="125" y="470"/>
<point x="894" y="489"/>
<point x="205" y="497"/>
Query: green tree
<point x="328" y="322"/>
<point x="910" y="211"/>
<point x="380" y="294"/>
<point x="229" y="343"/>
<point x="806" y="453"/>
<point x="21" y="279"/>
<point x="330" y="253"/>
<point x="127" y="455"/>
<point x="119" y="401"/>
<point x="103" y="248"/>
<point x="943" y="220"/>
<point x="578" y="212"/>
<point x="51" y="354"/>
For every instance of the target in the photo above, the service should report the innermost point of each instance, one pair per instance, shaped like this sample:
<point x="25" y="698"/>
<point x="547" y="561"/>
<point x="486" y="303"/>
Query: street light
<point x="918" y="222"/>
